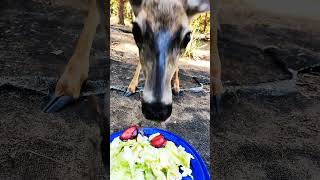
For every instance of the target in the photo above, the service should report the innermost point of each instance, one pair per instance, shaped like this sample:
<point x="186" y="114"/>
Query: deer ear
<point x="197" y="6"/>
<point x="135" y="5"/>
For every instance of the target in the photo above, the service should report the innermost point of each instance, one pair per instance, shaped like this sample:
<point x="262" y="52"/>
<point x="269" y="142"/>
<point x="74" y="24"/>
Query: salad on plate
<point x="138" y="157"/>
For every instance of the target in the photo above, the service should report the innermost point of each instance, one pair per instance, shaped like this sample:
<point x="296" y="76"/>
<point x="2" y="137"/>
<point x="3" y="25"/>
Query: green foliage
<point x="128" y="14"/>
<point x="113" y="7"/>
<point x="197" y="25"/>
<point x="199" y="21"/>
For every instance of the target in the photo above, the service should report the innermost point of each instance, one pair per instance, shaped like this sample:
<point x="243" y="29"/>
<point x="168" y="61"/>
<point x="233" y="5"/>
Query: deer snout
<point x="156" y="104"/>
<point x="156" y="111"/>
<point x="157" y="100"/>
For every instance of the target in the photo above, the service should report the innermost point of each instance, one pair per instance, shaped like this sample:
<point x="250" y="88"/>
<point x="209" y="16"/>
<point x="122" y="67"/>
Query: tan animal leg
<point x="76" y="71"/>
<point x="135" y="80"/>
<point x="215" y="70"/>
<point x="217" y="88"/>
<point x="175" y="82"/>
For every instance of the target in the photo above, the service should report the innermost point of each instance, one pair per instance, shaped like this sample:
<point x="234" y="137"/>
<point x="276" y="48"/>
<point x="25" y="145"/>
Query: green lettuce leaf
<point x="137" y="159"/>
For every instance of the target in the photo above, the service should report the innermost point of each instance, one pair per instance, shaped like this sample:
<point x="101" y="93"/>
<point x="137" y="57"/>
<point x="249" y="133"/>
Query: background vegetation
<point x="122" y="9"/>
<point x="200" y="24"/>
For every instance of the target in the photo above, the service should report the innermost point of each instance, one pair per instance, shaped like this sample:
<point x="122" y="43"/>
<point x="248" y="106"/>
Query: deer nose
<point x="156" y="111"/>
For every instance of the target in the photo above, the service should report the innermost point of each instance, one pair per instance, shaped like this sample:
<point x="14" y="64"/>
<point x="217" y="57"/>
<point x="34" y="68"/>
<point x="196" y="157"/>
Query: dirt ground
<point x="36" y="42"/>
<point x="270" y="127"/>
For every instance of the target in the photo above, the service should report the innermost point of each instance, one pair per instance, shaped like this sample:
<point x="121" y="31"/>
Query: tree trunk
<point x="205" y="23"/>
<point x="121" y="11"/>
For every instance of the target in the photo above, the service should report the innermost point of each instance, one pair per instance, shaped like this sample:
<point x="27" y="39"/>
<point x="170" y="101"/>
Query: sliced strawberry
<point x="129" y="133"/>
<point x="158" y="141"/>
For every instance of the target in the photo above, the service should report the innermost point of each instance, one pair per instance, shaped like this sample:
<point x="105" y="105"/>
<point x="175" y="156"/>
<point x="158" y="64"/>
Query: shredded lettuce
<point x="137" y="159"/>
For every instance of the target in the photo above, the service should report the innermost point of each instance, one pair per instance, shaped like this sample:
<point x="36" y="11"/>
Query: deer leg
<point x="216" y="84"/>
<point x="175" y="82"/>
<point x="76" y="72"/>
<point x="215" y="70"/>
<point x="134" y="82"/>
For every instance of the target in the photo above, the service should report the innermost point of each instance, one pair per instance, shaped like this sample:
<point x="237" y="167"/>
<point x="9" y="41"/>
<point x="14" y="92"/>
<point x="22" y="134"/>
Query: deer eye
<point x="137" y="33"/>
<point x="186" y="40"/>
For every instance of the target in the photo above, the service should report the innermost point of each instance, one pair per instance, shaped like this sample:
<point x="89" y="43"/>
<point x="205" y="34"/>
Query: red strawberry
<point x="129" y="133"/>
<point x="158" y="141"/>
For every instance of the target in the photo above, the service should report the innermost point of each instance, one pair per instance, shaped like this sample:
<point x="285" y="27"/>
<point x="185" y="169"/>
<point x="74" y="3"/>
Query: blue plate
<point x="199" y="169"/>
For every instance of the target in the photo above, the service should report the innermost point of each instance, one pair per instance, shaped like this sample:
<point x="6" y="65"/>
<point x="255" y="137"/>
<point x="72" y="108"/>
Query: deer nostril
<point x="156" y="111"/>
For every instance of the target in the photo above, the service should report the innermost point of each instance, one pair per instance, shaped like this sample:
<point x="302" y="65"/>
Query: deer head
<point x="161" y="31"/>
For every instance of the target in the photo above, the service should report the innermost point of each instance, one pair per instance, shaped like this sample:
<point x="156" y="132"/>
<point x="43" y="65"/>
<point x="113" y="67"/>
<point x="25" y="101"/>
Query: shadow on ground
<point x="267" y="130"/>
<point x="37" y="40"/>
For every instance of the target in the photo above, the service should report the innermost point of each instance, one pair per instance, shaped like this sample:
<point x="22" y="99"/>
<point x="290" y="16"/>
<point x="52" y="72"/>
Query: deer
<point x="161" y="32"/>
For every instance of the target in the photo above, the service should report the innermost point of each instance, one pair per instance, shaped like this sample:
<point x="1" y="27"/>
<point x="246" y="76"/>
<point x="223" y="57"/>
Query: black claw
<point x="176" y="93"/>
<point x="217" y="104"/>
<point x="128" y="93"/>
<point x="57" y="103"/>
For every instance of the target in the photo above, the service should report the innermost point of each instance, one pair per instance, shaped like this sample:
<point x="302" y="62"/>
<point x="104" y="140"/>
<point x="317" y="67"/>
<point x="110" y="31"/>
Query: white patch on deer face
<point x="193" y="3"/>
<point x="204" y="7"/>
